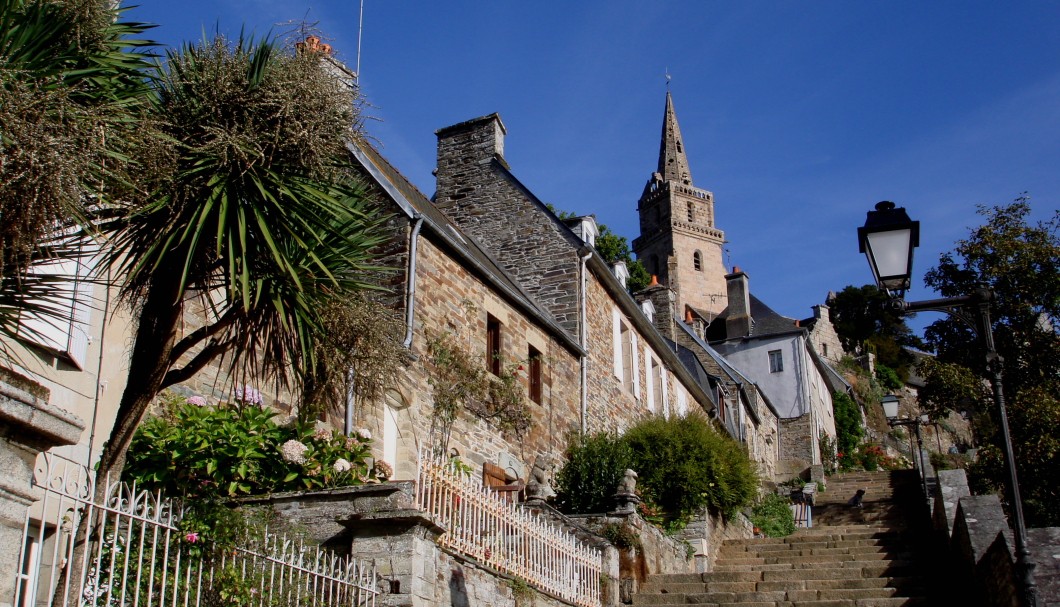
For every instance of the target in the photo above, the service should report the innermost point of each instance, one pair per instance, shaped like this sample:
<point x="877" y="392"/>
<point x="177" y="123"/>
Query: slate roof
<point x="703" y="377"/>
<point x="764" y="321"/>
<point x="721" y="368"/>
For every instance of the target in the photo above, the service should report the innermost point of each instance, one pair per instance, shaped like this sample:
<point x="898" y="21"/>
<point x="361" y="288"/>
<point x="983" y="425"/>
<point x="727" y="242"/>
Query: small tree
<point x="244" y="204"/>
<point x="1020" y="262"/>
<point x="71" y="83"/>
<point x="685" y="464"/>
<point x="848" y="425"/>
<point x="589" y="478"/>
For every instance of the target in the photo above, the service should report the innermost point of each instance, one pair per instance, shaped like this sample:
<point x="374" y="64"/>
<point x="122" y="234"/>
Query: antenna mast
<point x="360" y="28"/>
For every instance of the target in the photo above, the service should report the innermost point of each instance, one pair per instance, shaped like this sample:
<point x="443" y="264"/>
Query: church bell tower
<point x="678" y="240"/>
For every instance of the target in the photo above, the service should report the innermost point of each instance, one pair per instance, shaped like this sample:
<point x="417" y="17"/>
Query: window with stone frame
<point x="625" y="354"/>
<point x="776" y="361"/>
<point x="655" y="389"/>
<point x="493" y="345"/>
<point x="691" y="212"/>
<point x="697" y="261"/>
<point x="533" y="358"/>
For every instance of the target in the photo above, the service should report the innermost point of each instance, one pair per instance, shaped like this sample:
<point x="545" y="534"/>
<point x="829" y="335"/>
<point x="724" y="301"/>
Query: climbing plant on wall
<point x="461" y="381"/>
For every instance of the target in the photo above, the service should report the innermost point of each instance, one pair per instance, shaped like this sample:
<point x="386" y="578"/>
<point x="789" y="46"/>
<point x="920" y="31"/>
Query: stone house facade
<point x="585" y="355"/>
<point x="779" y="355"/>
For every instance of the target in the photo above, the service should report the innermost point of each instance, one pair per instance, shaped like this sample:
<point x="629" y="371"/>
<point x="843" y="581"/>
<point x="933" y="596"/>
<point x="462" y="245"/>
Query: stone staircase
<point x="873" y="556"/>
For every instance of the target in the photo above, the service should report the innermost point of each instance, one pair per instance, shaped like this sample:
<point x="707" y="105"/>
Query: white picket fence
<point x="135" y="554"/>
<point x="492" y="530"/>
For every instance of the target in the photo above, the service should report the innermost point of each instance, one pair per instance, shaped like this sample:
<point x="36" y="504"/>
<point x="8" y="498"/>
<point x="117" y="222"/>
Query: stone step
<point x="847" y="598"/>
<point x="804" y="560"/>
<point x="852" y="557"/>
<point x="803" y="566"/>
<point x="809" y="548"/>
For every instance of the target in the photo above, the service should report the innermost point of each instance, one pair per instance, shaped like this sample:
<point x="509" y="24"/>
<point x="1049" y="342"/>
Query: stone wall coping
<point x="8" y="376"/>
<point x="35" y="419"/>
<point x="352" y="491"/>
<point x="982" y="520"/>
<point x="952" y="487"/>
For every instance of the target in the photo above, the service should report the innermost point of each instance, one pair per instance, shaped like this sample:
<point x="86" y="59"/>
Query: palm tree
<point x="246" y="207"/>
<point x="71" y="77"/>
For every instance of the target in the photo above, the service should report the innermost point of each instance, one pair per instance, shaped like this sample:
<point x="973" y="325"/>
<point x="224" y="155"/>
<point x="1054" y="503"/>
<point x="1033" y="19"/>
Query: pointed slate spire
<point x="673" y="163"/>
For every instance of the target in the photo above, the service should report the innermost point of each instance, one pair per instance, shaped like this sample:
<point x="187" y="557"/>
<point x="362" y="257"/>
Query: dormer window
<point x="621" y="272"/>
<point x="587" y="230"/>
<point x="649" y="310"/>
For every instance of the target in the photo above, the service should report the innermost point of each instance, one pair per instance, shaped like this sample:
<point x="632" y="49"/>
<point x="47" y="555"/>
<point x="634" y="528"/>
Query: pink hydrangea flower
<point x="249" y="395"/>
<point x="342" y="465"/>
<point x="293" y="451"/>
<point x="198" y="401"/>
<point x="383" y="469"/>
<point x="364" y="433"/>
<point x="192" y="537"/>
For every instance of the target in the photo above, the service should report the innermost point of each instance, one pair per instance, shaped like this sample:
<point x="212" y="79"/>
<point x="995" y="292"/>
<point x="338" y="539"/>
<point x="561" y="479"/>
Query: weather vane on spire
<point x="667" y="72"/>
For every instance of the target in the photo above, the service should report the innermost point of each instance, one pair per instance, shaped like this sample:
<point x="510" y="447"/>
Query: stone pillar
<point x="28" y="426"/>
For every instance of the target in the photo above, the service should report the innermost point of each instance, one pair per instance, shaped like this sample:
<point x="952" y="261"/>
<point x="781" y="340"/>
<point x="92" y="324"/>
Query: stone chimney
<point x="664" y="300"/>
<point x="738" y="320"/>
<point x="820" y="312"/>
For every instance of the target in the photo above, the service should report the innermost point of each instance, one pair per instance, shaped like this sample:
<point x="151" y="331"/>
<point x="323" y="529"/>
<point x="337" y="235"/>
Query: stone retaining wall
<point x="380" y="523"/>
<point x="28" y="426"/>
<point x="980" y="543"/>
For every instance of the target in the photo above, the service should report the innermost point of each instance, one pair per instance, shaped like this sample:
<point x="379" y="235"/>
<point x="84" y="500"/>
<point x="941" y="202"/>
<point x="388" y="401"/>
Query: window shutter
<point x="649" y="381"/>
<point x="66" y="335"/>
<point x="665" y="396"/>
<point x="636" y="363"/>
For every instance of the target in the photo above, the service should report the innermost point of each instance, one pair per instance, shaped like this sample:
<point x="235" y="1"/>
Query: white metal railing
<point x="498" y="533"/>
<point x="135" y="555"/>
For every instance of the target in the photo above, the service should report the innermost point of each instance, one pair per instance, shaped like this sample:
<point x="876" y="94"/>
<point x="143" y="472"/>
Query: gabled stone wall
<point x="477" y="192"/>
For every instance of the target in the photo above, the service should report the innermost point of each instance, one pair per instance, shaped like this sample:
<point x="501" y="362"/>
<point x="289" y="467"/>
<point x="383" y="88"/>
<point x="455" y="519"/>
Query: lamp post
<point x="887" y="239"/>
<point x="890" y="411"/>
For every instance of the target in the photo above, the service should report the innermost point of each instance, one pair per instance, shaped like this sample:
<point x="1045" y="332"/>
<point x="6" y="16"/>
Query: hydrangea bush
<point x="191" y="449"/>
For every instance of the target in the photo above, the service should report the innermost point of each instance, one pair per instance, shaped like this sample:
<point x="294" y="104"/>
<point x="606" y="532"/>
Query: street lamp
<point x="888" y="239"/>
<point x="890" y="411"/>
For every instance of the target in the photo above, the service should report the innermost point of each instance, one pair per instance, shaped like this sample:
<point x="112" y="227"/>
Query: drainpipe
<point x="410" y="301"/>
<point x="410" y="298"/>
<point x="99" y="373"/>
<point x="583" y="340"/>
<point x="350" y="393"/>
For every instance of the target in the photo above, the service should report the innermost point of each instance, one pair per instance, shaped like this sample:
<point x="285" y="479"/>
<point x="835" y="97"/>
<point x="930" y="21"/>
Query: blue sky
<point x="799" y="116"/>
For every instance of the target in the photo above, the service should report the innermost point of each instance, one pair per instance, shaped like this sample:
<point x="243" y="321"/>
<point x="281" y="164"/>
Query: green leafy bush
<point x="772" y="515"/>
<point x="685" y="464"/>
<point x="888" y="378"/>
<point x="848" y="425"/>
<point x="588" y="480"/>
<point x="237" y="449"/>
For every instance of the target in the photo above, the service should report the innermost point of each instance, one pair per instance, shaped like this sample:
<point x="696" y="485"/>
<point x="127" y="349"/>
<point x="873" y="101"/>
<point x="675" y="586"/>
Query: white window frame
<point x="67" y="337"/>
<point x="776" y="361"/>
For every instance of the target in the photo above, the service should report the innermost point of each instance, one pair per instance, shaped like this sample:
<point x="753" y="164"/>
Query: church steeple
<point x="673" y="163"/>
<point x="679" y="241"/>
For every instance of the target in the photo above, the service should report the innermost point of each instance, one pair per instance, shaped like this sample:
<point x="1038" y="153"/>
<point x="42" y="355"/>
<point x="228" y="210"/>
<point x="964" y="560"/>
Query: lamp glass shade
<point x="891" y="257"/>
<point x="890" y="406"/>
